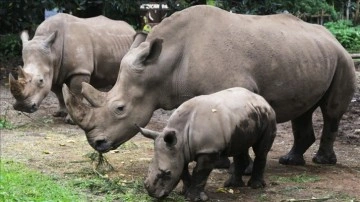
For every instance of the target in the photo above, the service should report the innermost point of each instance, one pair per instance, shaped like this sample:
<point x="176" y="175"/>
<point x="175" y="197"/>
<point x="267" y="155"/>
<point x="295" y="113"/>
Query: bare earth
<point x="53" y="147"/>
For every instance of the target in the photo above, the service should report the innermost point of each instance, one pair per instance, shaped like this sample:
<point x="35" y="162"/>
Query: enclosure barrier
<point x="356" y="58"/>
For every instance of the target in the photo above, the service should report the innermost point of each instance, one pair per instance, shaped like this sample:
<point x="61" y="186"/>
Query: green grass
<point x="18" y="183"/>
<point x="302" y="178"/>
<point x="5" y="124"/>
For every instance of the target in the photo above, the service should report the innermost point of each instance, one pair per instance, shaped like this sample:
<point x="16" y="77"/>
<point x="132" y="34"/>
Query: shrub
<point x="346" y="33"/>
<point x="10" y="46"/>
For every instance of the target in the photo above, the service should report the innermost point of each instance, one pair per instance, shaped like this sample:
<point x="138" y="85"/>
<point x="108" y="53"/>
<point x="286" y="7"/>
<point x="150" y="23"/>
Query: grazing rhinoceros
<point x="67" y="49"/>
<point x="294" y="65"/>
<point x="228" y="122"/>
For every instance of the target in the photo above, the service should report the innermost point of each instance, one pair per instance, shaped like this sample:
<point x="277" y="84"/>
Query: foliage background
<point x="18" y="15"/>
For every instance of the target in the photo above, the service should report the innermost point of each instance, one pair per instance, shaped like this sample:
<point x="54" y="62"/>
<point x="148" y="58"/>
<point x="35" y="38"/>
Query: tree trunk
<point x="357" y="13"/>
<point x="348" y="10"/>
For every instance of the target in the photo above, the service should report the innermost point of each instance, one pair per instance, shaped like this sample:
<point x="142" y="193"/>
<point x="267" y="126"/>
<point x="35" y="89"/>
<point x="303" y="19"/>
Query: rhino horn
<point x="21" y="73"/>
<point x="94" y="97"/>
<point x="148" y="133"/>
<point x="79" y="112"/>
<point x="16" y="87"/>
<point x="24" y="37"/>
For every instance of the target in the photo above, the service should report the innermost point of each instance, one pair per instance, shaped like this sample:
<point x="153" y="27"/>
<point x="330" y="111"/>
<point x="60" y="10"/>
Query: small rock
<point x="114" y="151"/>
<point x="357" y="131"/>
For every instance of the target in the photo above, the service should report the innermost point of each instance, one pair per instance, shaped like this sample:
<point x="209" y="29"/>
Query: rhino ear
<point x="148" y="52"/>
<point x="170" y="138"/>
<point x="24" y="37"/>
<point x="50" y="39"/>
<point x="148" y="133"/>
<point x="138" y="39"/>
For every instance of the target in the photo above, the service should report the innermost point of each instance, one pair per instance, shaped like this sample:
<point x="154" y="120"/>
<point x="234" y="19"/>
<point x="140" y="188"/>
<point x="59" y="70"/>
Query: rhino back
<point x="217" y="122"/>
<point x="277" y="56"/>
<point x="96" y="46"/>
<point x="90" y="46"/>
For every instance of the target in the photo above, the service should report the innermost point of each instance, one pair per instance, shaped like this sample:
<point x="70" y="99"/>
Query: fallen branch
<point x="355" y="55"/>
<point x="310" y="199"/>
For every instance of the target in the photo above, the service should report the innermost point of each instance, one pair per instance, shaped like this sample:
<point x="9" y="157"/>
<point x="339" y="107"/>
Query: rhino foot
<point x="195" y="195"/>
<point x="69" y="120"/>
<point x="60" y="113"/>
<point x="256" y="183"/>
<point x="320" y="158"/>
<point x="292" y="159"/>
<point x="232" y="182"/>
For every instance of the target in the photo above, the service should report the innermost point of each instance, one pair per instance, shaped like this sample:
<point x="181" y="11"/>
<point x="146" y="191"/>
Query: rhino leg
<point x="204" y="166"/>
<point x="326" y="154"/>
<point x="61" y="112"/>
<point x="304" y="137"/>
<point x="186" y="179"/>
<point x="333" y="105"/>
<point x="241" y="161"/>
<point x="261" y="149"/>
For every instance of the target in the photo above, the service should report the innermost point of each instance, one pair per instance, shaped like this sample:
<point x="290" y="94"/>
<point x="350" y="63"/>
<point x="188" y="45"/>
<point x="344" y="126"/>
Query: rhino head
<point x="168" y="163"/>
<point x="109" y="119"/>
<point x="34" y="81"/>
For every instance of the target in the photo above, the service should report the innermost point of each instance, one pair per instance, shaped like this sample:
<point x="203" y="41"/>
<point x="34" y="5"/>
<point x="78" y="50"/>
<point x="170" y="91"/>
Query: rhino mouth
<point x="102" y="145"/>
<point x="28" y="108"/>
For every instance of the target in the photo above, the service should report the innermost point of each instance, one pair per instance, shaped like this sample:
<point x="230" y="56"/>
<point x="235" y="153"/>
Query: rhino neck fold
<point x="188" y="156"/>
<point x="58" y="53"/>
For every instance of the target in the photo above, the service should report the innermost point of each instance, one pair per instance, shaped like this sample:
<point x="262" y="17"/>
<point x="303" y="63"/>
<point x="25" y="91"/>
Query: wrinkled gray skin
<point x="71" y="50"/>
<point x="204" y="128"/>
<point x="294" y="65"/>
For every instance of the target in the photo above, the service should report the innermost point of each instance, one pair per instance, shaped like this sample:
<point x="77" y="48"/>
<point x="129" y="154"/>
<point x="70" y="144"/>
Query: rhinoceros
<point x="67" y="49"/>
<point x="296" y="66"/>
<point x="204" y="128"/>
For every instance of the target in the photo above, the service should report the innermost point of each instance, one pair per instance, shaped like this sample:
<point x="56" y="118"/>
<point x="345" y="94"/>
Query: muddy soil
<point x="48" y="144"/>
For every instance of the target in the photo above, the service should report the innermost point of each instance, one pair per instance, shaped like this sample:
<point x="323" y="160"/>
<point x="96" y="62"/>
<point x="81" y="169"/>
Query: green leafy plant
<point x="10" y="46"/>
<point x="5" y="124"/>
<point x="346" y="33"/>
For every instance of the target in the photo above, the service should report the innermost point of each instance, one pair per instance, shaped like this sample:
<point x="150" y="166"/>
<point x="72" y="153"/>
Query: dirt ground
<point x="48" y="144"/>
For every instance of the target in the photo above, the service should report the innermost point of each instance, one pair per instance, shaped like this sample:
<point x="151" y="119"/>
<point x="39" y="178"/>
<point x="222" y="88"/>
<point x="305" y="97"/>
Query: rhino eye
<point x="41" y="82"/>
<point x="120" y="108"/>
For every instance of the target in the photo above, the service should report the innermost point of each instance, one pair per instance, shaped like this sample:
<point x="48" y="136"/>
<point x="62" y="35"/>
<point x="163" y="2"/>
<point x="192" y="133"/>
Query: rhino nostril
<point x="33" y="106"/>
<point x="101" y="145"/>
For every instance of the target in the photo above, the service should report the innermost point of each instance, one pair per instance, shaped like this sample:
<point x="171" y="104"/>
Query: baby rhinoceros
<point x="204" y="128"/>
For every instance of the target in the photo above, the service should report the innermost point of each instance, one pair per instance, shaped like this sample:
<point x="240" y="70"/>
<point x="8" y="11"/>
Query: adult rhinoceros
<point x="67" y="49"/>
<point x="294" y="65"/>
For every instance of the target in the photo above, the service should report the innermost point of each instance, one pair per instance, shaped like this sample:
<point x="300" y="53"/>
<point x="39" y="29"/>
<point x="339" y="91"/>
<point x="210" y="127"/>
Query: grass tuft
<point x="302" y="178"/>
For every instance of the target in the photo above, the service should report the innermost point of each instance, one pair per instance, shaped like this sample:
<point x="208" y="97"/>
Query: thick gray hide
<point x="67" y="49"/>
<point x="228" y="123"/>
<point x="294" y="65"/>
